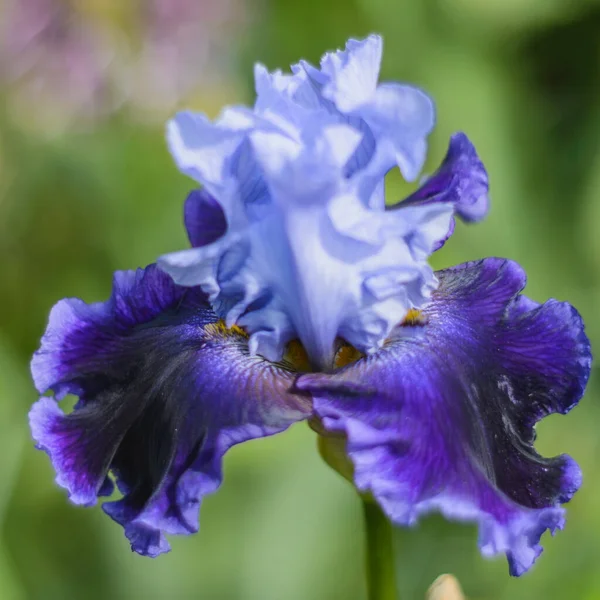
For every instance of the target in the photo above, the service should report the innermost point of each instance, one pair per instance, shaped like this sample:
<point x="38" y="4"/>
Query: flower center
<point x="413" y="317"/>
<point x="295" y="357"/>
<point x="220" y="329"/>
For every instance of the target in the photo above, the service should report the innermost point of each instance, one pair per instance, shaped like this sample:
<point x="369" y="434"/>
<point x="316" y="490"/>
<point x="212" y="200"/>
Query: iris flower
<point x="305" y="297"/>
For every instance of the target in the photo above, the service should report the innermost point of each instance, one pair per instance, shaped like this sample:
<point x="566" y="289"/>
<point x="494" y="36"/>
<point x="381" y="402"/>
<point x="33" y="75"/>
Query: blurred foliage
<point x="521" y="77"/>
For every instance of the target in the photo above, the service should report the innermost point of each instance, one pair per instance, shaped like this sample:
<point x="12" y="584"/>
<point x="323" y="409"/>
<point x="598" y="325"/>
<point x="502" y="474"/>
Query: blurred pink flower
<point x="185" y="45"/>
<point x="55" y="62"/>
<point x="62" y="68"/>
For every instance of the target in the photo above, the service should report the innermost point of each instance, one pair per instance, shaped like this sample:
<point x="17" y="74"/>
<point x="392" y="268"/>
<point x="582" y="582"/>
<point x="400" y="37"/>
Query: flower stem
<point x="381" y="576"/>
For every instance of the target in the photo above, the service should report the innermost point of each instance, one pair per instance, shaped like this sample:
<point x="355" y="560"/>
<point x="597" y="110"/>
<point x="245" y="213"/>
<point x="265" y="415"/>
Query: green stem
<point x="381" y="575"/>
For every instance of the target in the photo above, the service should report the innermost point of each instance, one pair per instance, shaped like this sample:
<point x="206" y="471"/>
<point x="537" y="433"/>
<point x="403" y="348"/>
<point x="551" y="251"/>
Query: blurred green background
<point x="87" y="187"/>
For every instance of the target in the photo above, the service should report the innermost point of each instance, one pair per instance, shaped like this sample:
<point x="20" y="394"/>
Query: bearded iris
<point x="305" y="297"/>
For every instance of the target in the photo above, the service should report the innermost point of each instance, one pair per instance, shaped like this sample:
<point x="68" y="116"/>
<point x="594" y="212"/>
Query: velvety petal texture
<point x="443" y="417"/>
<point x="164" y="391"/>
<point x="308" y="250"/>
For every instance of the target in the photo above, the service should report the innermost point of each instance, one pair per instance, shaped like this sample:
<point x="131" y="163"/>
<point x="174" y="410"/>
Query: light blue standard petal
<point x="395" y="119"/>
<point x="399" y="117"/>
<point x="279" y="91"/>
<point x="307" y="250"/>
<point x="218" y="156"/>
<point x="350" y="76"/>
<point x="320" y="264"/>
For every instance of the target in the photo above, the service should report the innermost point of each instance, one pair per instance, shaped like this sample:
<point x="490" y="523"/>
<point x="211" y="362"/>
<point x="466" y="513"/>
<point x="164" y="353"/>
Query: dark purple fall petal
<point x="442" y="418"/>
<point x="460" y="180"/>
<point x="164" y="392"/>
